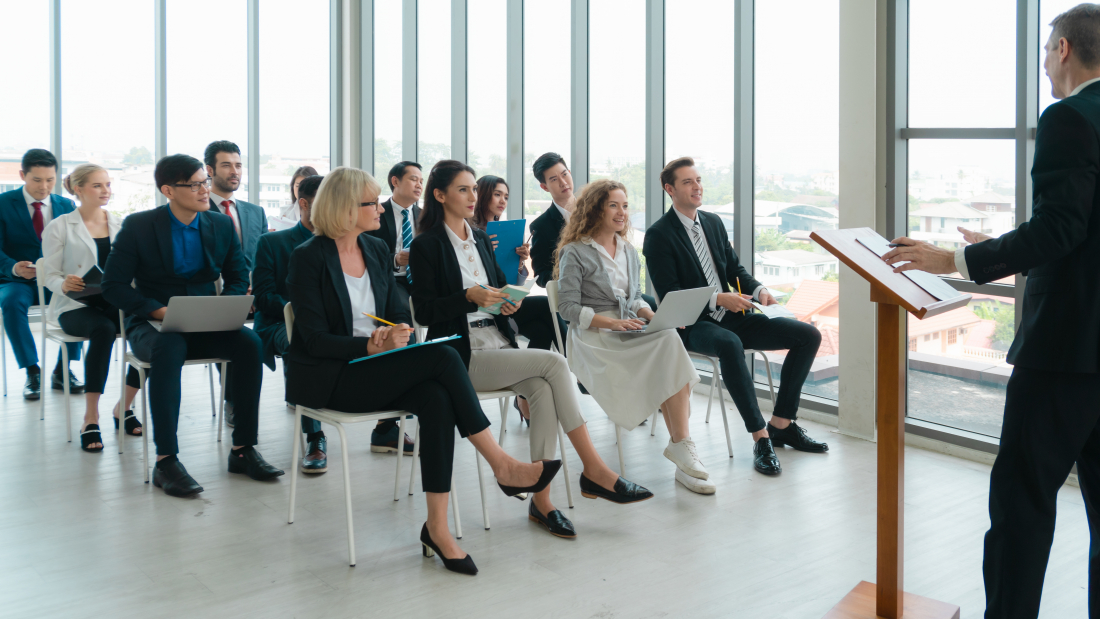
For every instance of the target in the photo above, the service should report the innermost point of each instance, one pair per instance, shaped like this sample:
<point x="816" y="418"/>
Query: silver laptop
<point x="680" y="308"/>
<point x="204" y="314"/>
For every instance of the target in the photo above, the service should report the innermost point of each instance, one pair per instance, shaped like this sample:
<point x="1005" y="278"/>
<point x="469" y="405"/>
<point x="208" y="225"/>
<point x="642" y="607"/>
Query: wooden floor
<point x="82" y="536"/>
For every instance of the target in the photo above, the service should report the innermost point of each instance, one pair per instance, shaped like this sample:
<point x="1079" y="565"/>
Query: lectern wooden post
<point x="895" y="295"/>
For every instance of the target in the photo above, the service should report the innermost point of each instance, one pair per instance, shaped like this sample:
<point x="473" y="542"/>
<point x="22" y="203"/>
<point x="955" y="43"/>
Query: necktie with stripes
<point x="708" y="268"/>
<point x="406" y="239"/>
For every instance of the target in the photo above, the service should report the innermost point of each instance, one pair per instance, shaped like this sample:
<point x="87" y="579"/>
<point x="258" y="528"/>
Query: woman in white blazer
<point x="72" y="245"/>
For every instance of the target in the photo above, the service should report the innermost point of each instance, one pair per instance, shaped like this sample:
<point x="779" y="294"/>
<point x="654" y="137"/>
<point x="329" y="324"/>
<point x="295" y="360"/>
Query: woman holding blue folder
<point x="456" y="278"/>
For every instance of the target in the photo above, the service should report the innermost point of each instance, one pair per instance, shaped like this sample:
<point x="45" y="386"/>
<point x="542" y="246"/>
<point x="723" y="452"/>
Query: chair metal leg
<point x="564" y="466"/>
<point x="771" y="386"/>
<point x="210" y="379"/>
<point x="65" y="382"/>
<point x="400" y="457"/>
<point x="4" y="358"/>
<point x="481" y="486"/>
<point x="41" y="398"/>
<point x="454" y="509"/>
<point x="504" y="418"/>
<point x="416" y="457"/>
<point x="221" y="404"/>
<point x="725" y="422"/>
<point x="294" y="463"/>
<point x="653" y="425"/>
<point x="121" y="394"/>
<point x="619" y="444"/>
<point x="347" y="492"/>
<point x="145" y="424"/>
<point x="714" y="380"/>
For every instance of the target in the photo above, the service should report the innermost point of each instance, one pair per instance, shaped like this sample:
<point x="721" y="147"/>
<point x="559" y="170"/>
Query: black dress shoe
<point x="315" y="460"/>
<point x="75" y="386"/>
<point x="764" y="459"/>
<point x="465" y="565"/>
<point x="249" y="461"/>
<point x="170" y="475"/>
<point x="624" y="492"/>
<point x="549" y="470"/>
<point x="555" y="522"/>
<point x="32" y="389"/>
<point x="796" y="437"/>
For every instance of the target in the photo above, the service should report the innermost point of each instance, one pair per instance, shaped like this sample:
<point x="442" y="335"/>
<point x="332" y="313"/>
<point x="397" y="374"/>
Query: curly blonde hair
<point x="587" y="217"/>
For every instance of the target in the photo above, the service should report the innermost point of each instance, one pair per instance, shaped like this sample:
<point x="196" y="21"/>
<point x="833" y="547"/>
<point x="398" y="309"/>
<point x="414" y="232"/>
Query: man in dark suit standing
<point x="269" y="284"/>
<point x="24" y="213"/>
<point x="1052" y="406"/>
<point x="688" y="248"/>
<point x="183" y="249"/>
<point x="400" y="225"/>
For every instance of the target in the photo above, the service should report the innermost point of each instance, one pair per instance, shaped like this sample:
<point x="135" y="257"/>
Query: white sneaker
<point x="685" y="458"/>
<point x="698" y="486"/>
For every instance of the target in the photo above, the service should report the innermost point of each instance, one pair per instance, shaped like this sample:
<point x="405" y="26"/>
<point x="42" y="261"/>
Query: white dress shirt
<point x="47" y="214"/>
<point x="398" y="240"/>
<point x="617" y="270"/>
<point x="689" y="224"/>
<point x="361" y="295"/>
<point x="564" y="213"/>
<point x="473" y="273"/>
<point x="232" y="210"/>
<point x="960" y="253"/>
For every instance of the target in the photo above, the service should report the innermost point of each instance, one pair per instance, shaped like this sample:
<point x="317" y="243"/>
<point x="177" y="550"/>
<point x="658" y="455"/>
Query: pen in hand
<point x="383" y="320"/>
<point x="511" y="302"/>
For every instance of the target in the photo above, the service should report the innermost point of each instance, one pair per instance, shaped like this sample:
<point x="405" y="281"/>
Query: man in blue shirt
<point x="183" y="249"/>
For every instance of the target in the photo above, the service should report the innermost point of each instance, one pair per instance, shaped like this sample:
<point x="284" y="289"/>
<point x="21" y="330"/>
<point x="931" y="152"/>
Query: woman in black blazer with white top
<point x="336" y="277"/>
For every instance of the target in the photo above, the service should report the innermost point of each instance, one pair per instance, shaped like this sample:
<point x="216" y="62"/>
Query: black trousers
<point x="430" y="382"/>
<point x="168" y="351"/>
<point x="728" y="340"/>
<point x="1052" y="420"/>
<point x="281" y="346"/>
<point x="100" y="325"/>
<point x="534" y="320"/>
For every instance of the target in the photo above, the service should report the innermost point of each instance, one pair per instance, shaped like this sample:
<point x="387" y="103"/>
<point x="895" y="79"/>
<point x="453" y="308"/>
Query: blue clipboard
<point x="509" y="237"/>
<point x="429" y="342"/>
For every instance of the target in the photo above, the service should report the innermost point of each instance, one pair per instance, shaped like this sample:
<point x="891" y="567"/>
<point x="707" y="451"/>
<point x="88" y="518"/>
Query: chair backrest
<point x="552" y="297"/>
<point x="648" y="281"/>
<point x="288" y="316"/>
<point x="420" y="330"/>
<point x="40" y="277"/>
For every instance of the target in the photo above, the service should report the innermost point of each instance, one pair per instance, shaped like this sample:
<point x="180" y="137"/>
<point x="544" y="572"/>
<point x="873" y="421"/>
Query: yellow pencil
<point x="739" y="292"/>
<point x="382" y="320"/>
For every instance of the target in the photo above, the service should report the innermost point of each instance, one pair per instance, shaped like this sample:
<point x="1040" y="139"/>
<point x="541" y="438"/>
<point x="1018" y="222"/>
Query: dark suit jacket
<point x="1059" y="247"/>
<point x="253" y="225"/>
<point x="673" y="263"/>
<point x="545" y="234"/>
<point x="142" y="254"/>
<point x="437" y="292"/>
<point x="269" y="283"/>
<point x="388" y="231"/>
<point x="18" y="242"/>
<point x="322" y="342"/>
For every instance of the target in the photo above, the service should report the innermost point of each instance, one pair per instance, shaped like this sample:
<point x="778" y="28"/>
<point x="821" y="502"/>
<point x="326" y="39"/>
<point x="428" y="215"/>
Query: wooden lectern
<point x="895" y="295"/>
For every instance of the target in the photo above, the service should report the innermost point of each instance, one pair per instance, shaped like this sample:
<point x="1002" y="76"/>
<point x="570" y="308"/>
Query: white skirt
<point x="630" y="376"/>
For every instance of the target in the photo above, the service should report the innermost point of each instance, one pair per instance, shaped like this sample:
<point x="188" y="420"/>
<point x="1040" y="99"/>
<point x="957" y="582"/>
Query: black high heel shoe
<point x="465" y="565"/>
<point x="549" y="470"/>
<point x="515" y="405"/>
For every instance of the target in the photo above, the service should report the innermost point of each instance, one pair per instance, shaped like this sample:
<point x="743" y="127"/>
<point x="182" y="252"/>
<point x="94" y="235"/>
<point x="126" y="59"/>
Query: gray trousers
<point x="543" y="378"/>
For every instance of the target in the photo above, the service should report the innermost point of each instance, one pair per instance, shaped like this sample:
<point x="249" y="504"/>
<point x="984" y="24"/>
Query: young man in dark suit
<point x="1052" y="407"/>
<point x="554" y="178"/>
<point x="24" y="213"/>
<point x="269" y="284"/>
<point x="688" y="248"/>
<point x="183" y="249"/>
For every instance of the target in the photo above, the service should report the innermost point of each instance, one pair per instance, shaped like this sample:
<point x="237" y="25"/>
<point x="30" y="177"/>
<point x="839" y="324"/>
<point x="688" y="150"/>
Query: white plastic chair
<point x="339" y="420"/>
<point x="34" y="311"/>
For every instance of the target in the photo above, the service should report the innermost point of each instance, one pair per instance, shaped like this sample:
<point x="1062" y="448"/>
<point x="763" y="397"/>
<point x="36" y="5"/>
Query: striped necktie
<point x="708" y="268"/>
<point x="406" y="239"/>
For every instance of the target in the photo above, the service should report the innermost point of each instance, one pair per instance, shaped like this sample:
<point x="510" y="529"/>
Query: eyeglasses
<point x="362" y="204"/>
<point x="194" y="186"/>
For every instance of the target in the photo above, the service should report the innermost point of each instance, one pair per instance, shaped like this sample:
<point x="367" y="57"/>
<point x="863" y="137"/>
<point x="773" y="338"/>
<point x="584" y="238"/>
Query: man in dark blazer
<point x="688" y="248"/>
<point x="401" y="219"/>
<point x="24" y="213"/>
<point x="224" y="167"/>
<point x="183" y="249"/>
<point x="1052" y="406"/>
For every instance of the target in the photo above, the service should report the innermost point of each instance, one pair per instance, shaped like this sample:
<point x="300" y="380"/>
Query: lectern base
<point x="860" y="604"/>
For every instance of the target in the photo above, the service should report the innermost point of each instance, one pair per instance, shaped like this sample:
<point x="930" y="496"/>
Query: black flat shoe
<point x="315" y="460"/>
<point x="797" y="438"/>
<point x="91" y="435"/>
<point x="75" y="386"/>
<point x="465" y="565"/>
<point x="170" y="475"/>
<point x="549" y="470"/>
<point x="131" y="423"/>
<point x="764" y="458"/>
<point x="32" y="389"/>
<point x="555" y="522"/>
<point x="515" y="405"/>
<point x="623" y="493"/>
<point x="249" y="461"/>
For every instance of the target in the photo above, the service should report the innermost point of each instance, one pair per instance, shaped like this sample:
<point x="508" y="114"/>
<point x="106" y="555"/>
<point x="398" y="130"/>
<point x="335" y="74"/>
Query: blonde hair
<point x="79" y="176"/>
<point x="336" y="205"/>
<point x="587" y="216"/>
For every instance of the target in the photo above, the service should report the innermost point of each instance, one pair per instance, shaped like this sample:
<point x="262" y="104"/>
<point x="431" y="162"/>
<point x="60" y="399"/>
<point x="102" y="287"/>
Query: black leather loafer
<point x="75" y="386"/>
<point x="555" y="522"/>
<point x="624" y="492"/>
<point x="764" y="458"/>
<point x="170" y="475"/>
<point x="796" y="437"/>
<point x="315" y="460"/>
<point x="32" y="389"/>
<point x="249" y="461"/>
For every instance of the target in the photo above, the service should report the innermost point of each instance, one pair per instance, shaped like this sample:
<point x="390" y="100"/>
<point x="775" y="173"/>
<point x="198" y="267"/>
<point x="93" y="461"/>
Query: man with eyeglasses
<point x="183" y="249"/>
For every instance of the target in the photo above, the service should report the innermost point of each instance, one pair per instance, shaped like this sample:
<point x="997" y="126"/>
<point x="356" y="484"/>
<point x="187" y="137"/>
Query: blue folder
<point x="509" y="237"/>
<point x="429" y="342"/>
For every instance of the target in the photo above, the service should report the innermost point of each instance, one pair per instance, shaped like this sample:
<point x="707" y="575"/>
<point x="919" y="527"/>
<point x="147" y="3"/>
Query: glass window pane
<point x="26" y="117"/>
<point x="487" y="86"/>
<point x="957" y="369"/>
<point x="95" y="127"/>
<point x="796" y="185"/>
<point x="294" y="101"/>
<point x="547" y="93"/>
<point x="616" y="99"/>
<point x="387" y="89"/>
<point x="1048" y="10"/>
<point x="942" y="97"/>
<point x="433" y="82"/>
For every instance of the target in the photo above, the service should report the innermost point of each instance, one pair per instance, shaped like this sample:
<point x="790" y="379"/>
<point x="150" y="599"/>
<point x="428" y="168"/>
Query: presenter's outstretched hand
<point x="973" y="237"/>
<point x="920" y="256"/>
